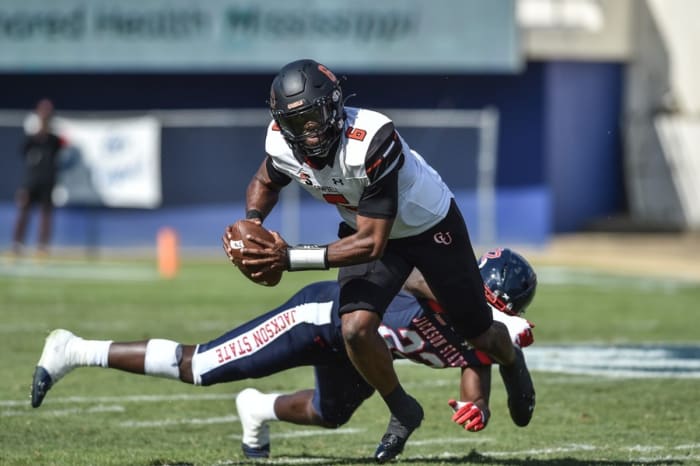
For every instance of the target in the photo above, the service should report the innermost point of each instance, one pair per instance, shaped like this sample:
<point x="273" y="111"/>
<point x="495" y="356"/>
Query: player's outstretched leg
<point x="395" y="437"/>
<point x="53" y="364"/>
<point x="521" y="391"/>
<point x="253" y="407"/>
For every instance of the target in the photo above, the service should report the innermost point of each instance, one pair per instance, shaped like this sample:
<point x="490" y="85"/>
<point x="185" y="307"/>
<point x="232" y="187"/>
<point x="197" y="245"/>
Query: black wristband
<point x="254" y="213"/>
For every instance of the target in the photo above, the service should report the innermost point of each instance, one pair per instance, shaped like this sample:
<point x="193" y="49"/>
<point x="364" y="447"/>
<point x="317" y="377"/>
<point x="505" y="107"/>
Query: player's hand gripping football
<point x="259" y="255"/>
<point x="469" y="415"/>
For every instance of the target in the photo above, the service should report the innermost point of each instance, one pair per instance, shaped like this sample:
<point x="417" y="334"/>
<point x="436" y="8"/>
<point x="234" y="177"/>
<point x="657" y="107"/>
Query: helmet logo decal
<point x="492" y="254"/>
<point x="295" y="104"/>
<point x="329" y="74"/>
<point x="442" y="238"/>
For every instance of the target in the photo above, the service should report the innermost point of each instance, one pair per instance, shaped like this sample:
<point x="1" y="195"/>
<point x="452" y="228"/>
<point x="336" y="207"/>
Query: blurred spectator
<point x="40" y="152"/>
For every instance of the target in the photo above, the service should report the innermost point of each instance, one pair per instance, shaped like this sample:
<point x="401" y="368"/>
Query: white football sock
<point x="81" y="352"/>
<point x="162" y="358"/>
<point x="264" y="407"/>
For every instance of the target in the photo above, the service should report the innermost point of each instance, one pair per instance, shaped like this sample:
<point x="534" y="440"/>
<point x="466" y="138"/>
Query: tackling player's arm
<point x="475" y="385"/>
<point x="472" y="411"/>
<point x="417" y="286"/>
<point x="263" y="190"/>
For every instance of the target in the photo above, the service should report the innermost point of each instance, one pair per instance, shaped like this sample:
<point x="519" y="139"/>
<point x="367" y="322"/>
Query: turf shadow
<point x="474" y="458"/>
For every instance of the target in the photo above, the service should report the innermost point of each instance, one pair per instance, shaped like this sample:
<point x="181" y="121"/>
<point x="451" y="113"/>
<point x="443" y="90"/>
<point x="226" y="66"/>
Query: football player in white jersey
<point x="397" y="214"/>
<point x="306" y="331"/>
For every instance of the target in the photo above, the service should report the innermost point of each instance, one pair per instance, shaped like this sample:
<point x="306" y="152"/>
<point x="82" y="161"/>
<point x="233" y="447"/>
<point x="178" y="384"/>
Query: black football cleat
<point x="41" y="383"/>
<point x="389" y="448"/>
<point x="256" y="452"/>
<point x="394" y="439"/>
<point x="521" y="391"/>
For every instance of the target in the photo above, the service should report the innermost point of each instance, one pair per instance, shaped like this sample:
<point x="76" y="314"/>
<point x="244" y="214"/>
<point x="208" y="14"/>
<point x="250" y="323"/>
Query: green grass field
<point x="105" y="417"/>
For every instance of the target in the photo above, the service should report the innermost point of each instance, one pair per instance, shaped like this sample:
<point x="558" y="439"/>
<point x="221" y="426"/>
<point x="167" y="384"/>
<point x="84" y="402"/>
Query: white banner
<point x="114" y="163"/>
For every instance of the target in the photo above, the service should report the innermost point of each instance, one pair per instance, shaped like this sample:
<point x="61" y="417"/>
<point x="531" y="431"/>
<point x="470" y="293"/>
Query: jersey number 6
<point x="356" y="133"/>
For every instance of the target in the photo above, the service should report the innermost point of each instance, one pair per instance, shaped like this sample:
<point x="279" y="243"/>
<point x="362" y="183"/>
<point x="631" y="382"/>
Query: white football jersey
<point x="424" y="198"/>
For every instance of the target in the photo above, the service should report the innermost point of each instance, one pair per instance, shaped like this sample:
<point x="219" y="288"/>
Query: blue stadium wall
<point x="559" y="149"/>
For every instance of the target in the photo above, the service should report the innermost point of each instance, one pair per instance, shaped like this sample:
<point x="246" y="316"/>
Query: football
<point x="239" y="231"/>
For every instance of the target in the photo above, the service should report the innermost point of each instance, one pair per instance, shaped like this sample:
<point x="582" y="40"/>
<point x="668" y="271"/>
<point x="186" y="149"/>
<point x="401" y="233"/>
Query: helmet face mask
<point x="306" y="103"/>
<point x="509" y="280"/>
<point x="311" y="128"/>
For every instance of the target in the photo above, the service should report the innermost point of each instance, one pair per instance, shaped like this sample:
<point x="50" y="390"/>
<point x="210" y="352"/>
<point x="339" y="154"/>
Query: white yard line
<point x="541" y="451"/>
<point x="66" y="412"/>
<point x="105" y="270"/>
<point x="312" y="433"/>
<point x="79" y="271"/>
<point x="554" y="275"/>
<point x="451" y="440"/>
<point x="125" y="399"/>
<point x="176" y="422"/>
<point x="280" y="460"/>
<point x="639" y="361"/>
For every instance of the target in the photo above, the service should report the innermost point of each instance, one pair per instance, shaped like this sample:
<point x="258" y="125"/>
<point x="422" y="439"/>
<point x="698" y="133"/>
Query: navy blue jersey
<point x="416" y="330"/>
<point x="306" y="331"/>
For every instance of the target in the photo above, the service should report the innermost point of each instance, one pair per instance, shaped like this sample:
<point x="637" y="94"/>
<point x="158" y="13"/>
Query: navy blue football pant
<point x="304" y="331"/>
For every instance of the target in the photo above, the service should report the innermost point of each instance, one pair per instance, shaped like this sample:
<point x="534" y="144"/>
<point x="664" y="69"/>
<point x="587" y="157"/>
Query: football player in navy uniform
<point x="397" y="214"/>
<point x="306" y="331"/>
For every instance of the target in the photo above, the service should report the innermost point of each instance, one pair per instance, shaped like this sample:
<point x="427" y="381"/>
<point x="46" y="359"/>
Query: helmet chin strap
<point x="332" y="147"/>
<point x="320" y="161"/>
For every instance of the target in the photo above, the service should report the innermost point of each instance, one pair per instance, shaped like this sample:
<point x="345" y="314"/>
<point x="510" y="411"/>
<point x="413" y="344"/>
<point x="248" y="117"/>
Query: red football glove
<point x="525" y="338"/>
<point x="469" y="415"/>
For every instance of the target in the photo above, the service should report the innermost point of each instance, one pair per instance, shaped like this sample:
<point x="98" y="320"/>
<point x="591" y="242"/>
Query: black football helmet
<point x="306" y="102"/>
<point x="509" y="280"/>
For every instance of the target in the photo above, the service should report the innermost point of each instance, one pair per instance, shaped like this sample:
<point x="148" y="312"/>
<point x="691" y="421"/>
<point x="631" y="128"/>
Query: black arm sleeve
<point x="381" y="198"/>
<point x="384" y="159"/>
<point x="383" y="153"/>
<point x="277" y="177"/>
